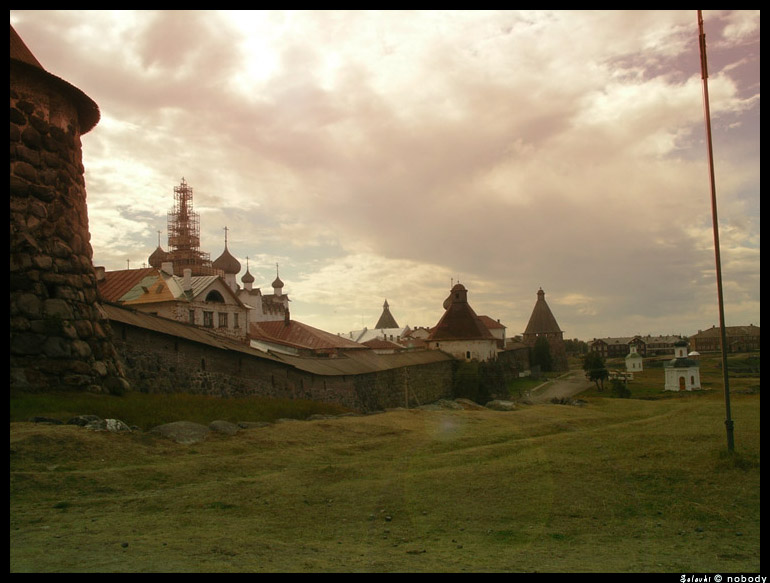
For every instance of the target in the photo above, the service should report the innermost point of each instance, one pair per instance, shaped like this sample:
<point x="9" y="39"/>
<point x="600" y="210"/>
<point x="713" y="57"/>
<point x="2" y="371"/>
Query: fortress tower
<point x="60" y="337"/>
<point x="542" y="323"/>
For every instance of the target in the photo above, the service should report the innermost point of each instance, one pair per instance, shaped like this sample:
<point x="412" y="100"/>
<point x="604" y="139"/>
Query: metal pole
<point x="723" y="336"/>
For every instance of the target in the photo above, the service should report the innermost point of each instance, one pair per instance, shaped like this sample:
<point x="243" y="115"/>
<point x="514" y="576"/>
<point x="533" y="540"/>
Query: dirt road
<point x="567" y="385"/>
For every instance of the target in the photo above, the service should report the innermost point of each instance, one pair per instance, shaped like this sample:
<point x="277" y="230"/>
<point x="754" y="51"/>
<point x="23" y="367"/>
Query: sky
<point x="388" y="155"/>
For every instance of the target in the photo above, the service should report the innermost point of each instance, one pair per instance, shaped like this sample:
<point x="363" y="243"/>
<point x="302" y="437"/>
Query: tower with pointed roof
<point x="542" y="324"/>
<point x="60" y="338"/>
<point x="386" y="318"/>
<point x="460" y="332"/>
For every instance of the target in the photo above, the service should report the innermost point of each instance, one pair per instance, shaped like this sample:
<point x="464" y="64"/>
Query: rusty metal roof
<point x="364" y="361"/>
<point x="301" y="335"/>
<point x="117" y="283"/>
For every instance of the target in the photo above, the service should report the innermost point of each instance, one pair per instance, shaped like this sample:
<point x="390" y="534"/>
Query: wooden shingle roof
<point x="459" y="321"/>
<point x="542" y="320"/>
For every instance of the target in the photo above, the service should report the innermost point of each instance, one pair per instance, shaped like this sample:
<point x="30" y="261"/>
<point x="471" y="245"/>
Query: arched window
<point x="215" y="296"/>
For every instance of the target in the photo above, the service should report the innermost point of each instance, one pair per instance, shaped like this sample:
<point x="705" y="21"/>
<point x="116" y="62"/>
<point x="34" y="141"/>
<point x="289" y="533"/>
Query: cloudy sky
<point x="386" y="155"/>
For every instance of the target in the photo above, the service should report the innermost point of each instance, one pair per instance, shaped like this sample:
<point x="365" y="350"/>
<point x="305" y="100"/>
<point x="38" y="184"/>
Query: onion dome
<point x="277" y="283"/>
<point x="247" y="277"/>
<point x="158" y="257"/>
<point x="227" y="263"/>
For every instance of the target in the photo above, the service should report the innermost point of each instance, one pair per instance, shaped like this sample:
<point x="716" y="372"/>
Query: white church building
<point x="682" y="372"/>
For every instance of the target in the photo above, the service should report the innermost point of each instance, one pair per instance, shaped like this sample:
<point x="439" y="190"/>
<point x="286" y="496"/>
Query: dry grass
<point x="617" y="485"/>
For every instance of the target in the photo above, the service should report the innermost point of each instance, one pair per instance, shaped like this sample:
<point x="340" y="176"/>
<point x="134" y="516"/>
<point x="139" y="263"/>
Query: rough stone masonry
<point x="60" y="339"/>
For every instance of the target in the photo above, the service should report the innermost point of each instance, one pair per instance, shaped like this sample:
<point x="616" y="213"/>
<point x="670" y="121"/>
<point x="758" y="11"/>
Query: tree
<point x="593" y="365"/>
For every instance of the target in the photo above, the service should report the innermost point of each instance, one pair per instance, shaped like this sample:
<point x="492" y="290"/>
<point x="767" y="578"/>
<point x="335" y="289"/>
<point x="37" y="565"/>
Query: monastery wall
<point x="160" y="363"/>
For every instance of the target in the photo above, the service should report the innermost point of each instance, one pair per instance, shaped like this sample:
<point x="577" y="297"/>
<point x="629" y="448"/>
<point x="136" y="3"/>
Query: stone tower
<point x="542" y="323"/>
<point x="60" y="338"/>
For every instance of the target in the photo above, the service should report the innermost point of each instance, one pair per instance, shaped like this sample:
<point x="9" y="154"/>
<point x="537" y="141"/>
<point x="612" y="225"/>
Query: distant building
<point x="739" y="339"/>
<point x="386" y="319"/>
<point x="634" y="360"/>
<point x="620" y="346"/>
<point x="263" y="307"/>
<point x="542" y="324"/>
<point x="682" y="373"/>
<point x="460" y="332"/>
<point x="385" y="330"/>
<point x="200" y="300"/>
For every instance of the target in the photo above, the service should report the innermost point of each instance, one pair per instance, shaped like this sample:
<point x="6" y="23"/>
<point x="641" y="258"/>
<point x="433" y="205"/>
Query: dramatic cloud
<point x="380" y="155"/>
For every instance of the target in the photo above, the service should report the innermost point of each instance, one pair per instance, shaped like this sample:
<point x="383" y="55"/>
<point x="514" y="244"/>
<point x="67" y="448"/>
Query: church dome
<point x="158" y="257"/>
<point x="247" y="277"/>
<point x="227" y="263"/>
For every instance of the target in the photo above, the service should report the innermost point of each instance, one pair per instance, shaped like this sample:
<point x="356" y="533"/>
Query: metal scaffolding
<point x="184" y="235"/>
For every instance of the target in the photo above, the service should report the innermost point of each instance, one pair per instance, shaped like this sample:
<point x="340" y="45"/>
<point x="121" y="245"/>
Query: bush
<point x="620" y="389"/>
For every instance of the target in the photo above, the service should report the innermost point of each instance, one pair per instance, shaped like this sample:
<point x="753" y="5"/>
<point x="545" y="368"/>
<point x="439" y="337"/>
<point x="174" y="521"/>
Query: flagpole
<point x="723" y="336"/>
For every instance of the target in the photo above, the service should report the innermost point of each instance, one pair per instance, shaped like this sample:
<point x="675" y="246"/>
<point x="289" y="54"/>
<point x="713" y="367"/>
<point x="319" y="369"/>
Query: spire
<point x="386" y="319"/>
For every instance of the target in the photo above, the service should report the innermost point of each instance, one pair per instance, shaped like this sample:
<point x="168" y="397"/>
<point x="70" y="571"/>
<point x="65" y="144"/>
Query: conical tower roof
<point x="22" y="57"/>
<point x="542" y="320"/>
<point x="386" y="319"/>
<point x="459" y="321"/>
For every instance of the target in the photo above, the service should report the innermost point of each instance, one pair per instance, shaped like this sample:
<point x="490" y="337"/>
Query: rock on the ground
<point x="500" y="405"/>
<point x="184" y="432"/>
<point x="221" y="426"/>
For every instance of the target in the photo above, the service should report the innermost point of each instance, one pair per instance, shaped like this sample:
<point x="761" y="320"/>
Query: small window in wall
<point x="222" y="320"/>
<point x="236" y="322"/>
<point x="468" y="354"/>
<point x="208" y="319"/>
<point x="191" y="316"/>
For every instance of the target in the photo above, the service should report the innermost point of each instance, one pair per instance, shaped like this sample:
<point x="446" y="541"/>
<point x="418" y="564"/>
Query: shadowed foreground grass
<point x="618" y="485"/>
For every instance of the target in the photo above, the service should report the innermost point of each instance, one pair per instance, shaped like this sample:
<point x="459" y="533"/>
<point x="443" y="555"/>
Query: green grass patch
<point x="616" y="485"/>
<point x="149" y="410"/>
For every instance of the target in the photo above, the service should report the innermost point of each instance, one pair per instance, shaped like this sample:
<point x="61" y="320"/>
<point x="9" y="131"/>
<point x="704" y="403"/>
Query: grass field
<point x="616" y="485"/>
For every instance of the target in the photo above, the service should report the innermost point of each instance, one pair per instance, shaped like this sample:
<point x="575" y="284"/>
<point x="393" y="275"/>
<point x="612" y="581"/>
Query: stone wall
<point x="156" y="362"/>
<point x="60" y="340"/>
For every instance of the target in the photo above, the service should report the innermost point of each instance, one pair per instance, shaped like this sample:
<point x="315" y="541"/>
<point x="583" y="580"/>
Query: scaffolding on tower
<point x="184" y="235"/>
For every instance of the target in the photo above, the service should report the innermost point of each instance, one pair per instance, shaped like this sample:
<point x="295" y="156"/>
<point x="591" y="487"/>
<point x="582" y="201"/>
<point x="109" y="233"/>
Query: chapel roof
<point x="459" y="321"/>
